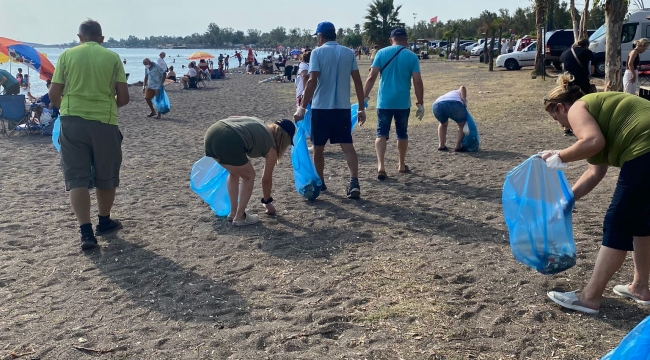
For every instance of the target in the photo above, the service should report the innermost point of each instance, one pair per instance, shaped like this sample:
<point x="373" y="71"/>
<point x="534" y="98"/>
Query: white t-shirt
<point x="191" y="72"/>
<point x="453" y="95"/>
<point x="504" y="47"/>
<point x="300" y="87"/>
<point x="162" y="64"/>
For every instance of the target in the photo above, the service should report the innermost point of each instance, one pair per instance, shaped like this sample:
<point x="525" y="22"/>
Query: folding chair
<point x="14" y="115"/>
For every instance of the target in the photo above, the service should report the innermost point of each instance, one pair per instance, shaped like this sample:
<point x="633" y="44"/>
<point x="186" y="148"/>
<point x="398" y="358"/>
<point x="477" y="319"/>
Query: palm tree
<point x="382" y="18"/>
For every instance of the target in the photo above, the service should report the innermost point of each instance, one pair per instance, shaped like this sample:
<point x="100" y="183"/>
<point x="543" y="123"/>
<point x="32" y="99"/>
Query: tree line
<point x="381" y="17"/>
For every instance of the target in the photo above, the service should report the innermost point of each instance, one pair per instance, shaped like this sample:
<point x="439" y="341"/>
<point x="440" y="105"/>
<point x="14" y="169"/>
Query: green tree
<point x="277" y="36"/>
<point x="253" y="36"/>
<point x="381" y="19"/>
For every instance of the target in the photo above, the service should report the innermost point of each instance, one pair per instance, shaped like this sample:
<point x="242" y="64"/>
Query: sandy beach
<point x="419" y="268"/>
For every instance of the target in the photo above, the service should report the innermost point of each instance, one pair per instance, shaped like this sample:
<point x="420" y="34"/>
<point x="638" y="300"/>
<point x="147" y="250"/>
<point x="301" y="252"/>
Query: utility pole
<point x="414" y="15"/>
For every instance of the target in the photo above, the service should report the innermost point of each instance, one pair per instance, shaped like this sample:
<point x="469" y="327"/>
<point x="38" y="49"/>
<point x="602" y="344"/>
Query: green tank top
<point x="255" y="134"/>
<point x="624" y="120"/>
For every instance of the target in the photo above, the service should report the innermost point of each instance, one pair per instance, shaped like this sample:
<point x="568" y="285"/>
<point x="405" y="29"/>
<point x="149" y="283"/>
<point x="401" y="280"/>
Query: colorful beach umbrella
<point x="4" y="58"/>
<point x="27" y="55"/>
<point x="200" y="55"/>
<point x="295" y="52"/>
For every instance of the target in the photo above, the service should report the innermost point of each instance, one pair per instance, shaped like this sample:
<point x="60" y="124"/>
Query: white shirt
<point x="162" y="64"/>
<point x="453" y="95"/>
<point x="300" y="87"/>
<point x="504" y="47"/>
<point x="191" y="72"/>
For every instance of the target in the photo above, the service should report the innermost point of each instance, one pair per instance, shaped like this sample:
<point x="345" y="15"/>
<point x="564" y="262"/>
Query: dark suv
<point x="556" y="42"/>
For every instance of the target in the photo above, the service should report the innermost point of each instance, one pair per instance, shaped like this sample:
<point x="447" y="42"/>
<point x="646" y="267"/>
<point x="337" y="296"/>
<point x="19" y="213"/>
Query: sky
<point x="57" y="21"/>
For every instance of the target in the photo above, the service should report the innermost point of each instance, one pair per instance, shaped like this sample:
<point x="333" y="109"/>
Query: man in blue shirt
<point x="9" y="83"/>
<point x="330" y="68"/>
<point x="396" y="65"/>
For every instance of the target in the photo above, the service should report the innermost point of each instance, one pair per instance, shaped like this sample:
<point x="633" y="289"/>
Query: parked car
<point x="470" y="46"/>
<point x="516" y="60"/>
<point x="556" y="42"/>
<point x="478" y="50"/>
<point x="637" y="26"/>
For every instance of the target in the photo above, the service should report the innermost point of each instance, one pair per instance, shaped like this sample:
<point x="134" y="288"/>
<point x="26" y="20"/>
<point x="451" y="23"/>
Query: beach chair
<point x="195" y="82"/>
<point x="14" y="115"/>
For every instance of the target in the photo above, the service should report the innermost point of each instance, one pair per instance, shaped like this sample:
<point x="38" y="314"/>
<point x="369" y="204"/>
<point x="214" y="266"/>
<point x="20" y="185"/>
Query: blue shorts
<point x="629" y="213"/>
<point x="446" y="110"/>
<point x="334" y="125"/>
<point x="384" y="119"/>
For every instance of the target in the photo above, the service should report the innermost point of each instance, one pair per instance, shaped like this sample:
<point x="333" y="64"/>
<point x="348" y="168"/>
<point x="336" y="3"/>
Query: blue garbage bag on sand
<point x="208" y="180"/>
<point x="161" y="101"/>
<point x="305" y="177"/>
<point x="471" y="140"/>
<point x="635" y="345"/>
<point x="537" y="206"/>
<point x="56" y="132"/>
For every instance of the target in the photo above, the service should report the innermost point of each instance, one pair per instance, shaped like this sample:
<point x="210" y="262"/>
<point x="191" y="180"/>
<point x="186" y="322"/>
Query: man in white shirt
<point x="191" y="72"/>
<point x="163" y="65"/>
<point x="330" y="68"/>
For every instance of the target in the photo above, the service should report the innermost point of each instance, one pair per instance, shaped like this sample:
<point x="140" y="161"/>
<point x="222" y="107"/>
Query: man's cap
<point x="398" y="32"/>
<point x="324" y="27"/>
<point x="288" y="126"/>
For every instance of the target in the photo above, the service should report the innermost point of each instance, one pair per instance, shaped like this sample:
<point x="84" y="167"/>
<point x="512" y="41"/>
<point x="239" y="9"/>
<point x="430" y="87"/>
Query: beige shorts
<point x="91" y="153"/>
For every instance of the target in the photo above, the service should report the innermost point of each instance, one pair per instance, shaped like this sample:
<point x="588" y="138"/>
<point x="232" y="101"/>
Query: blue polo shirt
<point x="11" y="80"/>
<point x="335" y="63"/>
<point x="395" y="82"/>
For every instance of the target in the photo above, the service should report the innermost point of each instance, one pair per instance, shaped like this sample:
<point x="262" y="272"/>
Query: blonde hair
<point x="566" y="92"/>
<point x="282" y="139"/>
<point x="643" y="42"/>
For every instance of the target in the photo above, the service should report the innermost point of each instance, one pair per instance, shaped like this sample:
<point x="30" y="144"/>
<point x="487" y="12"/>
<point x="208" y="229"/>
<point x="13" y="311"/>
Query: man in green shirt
<point x="9" y="83"/>
<point x="91" y="153"/>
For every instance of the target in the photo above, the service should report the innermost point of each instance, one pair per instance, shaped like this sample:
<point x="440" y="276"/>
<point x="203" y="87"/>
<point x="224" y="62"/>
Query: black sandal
<point x="444" y="148"/>
<point x="381" y="175"/>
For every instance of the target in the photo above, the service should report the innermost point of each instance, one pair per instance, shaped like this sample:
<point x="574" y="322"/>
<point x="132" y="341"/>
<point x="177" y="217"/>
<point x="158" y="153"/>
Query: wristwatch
<point x="266" y="202"/>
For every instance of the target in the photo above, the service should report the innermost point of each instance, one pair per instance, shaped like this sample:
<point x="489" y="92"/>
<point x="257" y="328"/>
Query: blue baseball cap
<point x="398" y="32"/>
<point x="324" y="27"/>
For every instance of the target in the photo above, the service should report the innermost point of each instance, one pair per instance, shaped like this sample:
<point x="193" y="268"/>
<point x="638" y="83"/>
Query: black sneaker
<point x="109" y="228"/>
<point x="568" y="133"/>
<point x="88" y="241"/>
<point x="354" y="190"/>
<point x="323" y="188"/>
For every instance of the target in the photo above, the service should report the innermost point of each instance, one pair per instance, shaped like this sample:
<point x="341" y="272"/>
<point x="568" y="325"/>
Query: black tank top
<point x="636" y="62"/>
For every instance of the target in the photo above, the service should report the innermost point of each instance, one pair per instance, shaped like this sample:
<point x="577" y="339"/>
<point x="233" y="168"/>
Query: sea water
<point x="133" y="66"/>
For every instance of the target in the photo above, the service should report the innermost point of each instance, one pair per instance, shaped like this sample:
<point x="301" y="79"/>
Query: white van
<point x="636" y="27"/>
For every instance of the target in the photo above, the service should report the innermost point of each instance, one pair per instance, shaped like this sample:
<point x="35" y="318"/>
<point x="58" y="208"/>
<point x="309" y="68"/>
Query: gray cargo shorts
<point x="91" y="153"/>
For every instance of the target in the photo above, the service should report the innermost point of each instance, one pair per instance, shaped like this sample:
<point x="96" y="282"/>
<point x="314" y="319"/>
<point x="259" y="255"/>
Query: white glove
<point x="300" y="113"/>
<point x="420" y="112"/>
<point x="553" y="161"/>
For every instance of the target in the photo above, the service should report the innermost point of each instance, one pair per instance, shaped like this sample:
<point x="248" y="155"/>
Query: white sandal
<point x="570" y="300"/>
<point x="249" y="219"/>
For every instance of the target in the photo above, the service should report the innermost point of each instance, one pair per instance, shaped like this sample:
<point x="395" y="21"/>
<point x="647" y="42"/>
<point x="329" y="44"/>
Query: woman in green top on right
<point x="612" y="129"/>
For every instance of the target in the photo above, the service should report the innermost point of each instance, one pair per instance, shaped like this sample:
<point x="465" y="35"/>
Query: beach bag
<point x="208" y="180"/>
<point x="56" y="131"/>
<point x="161" y="101"/>
<point x="537" y="206"/>
<point x="635" y="345"/>
<point x="471" y="140"/>
<point x="305" y="177"/>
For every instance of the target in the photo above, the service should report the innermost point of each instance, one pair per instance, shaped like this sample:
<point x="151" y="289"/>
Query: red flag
<point x="434" y="19"/>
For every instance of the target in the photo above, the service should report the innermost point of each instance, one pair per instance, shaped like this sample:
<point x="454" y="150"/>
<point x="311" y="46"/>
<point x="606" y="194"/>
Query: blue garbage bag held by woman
<point x="208" y="181"/>
<point x="537" y="205"/>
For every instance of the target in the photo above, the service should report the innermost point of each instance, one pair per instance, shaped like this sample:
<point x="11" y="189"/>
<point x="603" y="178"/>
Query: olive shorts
<point x="223" y="144"/>
<point x="91" y="153"/>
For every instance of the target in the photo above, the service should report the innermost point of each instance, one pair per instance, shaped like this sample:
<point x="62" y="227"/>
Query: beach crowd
<point x="611" y="130"/>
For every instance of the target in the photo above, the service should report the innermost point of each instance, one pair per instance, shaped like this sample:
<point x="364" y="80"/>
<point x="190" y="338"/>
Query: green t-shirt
<point x="11" y="80"/>
<point x="255" y="134"/>
<point x="89" y="73"/>
<point x="625" y="122"/>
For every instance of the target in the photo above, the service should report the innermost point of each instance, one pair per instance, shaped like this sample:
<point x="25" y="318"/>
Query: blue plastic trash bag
<point x="161" y="101"/>
<point x="305" y="177"/>
<point x="208" y="180"/>
<point x="537" y="206"/>
<point x="56" y="131"/>
<point x="306" y="121"/>
<point x="470" y="141"/>
<point x="354" y="108"/>
<point x="635" y="345"/>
